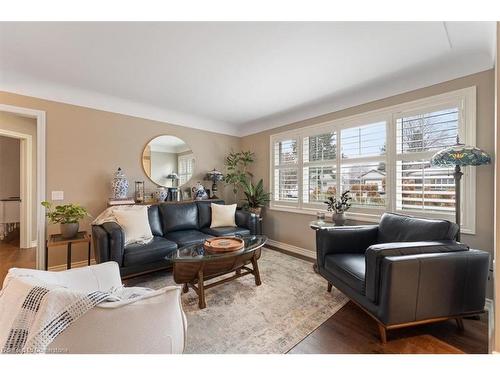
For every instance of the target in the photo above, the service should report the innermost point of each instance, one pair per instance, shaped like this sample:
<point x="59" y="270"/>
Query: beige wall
<point x="293" y="229"/>
<point x="24" y="125"/>
<point x="85" y="146"/>
<point x="10" y="167"/>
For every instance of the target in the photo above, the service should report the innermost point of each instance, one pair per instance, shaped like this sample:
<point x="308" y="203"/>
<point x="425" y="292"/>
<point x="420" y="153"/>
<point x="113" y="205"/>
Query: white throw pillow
<point x="135" y="224"/>
<point x="223" y="215"/>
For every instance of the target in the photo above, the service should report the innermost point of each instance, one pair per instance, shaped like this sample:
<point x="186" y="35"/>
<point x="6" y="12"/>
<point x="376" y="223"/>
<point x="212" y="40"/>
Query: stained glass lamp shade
<point x="459" y="155"/>
<point x="214" y="176"/>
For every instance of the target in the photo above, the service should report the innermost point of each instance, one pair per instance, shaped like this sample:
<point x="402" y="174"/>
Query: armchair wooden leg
<point x="329" y="287"/>
<point x="460" y="323"/>
<point x="383" y="333"/>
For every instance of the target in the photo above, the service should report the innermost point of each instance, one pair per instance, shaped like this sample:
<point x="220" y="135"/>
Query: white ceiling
<point x="236" y="77"/>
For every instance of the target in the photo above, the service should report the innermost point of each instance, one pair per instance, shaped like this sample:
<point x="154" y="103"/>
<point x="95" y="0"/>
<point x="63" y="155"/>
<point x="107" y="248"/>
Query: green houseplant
<point x="255" y="196"/>
<point x="339" y="206"/>
<point x="237" y="164"/>
<point x="67" y="216"/>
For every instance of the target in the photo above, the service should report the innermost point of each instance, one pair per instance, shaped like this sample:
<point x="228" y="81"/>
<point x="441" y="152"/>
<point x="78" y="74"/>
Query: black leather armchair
<point x="173" y="225"/>
<point x="404" y="271"/>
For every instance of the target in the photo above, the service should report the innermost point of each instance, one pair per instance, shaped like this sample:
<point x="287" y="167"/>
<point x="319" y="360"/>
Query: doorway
<point x="20" y="234"/>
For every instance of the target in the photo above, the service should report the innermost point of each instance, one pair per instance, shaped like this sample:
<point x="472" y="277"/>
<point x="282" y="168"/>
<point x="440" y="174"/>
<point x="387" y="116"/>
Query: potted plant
<point x="237" y="164"/>
<point x="338" y="206"/>
<point x="255" y="196"/>
<point x="67" y="216"/>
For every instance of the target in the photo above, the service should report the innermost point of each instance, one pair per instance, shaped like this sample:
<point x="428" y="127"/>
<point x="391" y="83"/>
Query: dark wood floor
<point x="352" y="331"/>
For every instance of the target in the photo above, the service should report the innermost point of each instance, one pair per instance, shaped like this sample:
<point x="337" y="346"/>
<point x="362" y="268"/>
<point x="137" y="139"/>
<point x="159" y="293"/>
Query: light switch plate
<point x="58" y="195"/>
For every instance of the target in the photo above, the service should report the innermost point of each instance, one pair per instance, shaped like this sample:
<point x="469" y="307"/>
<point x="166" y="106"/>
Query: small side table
<point x="317" y="225"/>
<point x="57" y="240"/>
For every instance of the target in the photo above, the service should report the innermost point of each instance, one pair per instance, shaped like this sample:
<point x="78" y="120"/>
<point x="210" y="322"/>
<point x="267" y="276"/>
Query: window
<point x="363" y="165"/>
<point x="185" y="168"/>
<point x="382" y="158"/>
<point x="319" y="167"/>
<point x="420" y="186"/>
<point x="286" y="172"/>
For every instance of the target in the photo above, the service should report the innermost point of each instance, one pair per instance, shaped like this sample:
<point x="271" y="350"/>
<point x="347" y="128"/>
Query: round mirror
<point x="168" y="161"/>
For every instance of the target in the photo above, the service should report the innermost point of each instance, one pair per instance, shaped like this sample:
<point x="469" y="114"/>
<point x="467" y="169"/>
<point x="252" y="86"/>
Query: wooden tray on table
<point x="223" y="244"/>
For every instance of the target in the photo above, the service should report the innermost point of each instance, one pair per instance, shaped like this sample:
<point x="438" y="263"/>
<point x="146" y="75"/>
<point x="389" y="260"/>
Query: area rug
<point x="243" y="318"/>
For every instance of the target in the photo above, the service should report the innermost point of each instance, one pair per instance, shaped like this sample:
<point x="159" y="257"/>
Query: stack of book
<point x="118" y="201"/>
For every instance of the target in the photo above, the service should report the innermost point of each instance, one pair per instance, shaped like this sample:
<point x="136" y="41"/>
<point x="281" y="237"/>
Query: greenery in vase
<point x="339" y="205"/>
<point x="65" y="213"/>
<point x="237" y="164"/>
<point x="255" y="196"/>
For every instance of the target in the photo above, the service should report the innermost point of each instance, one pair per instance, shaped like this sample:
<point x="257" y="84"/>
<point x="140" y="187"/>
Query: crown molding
<point x="382" y="88"/>
<point x="30" y="86"/>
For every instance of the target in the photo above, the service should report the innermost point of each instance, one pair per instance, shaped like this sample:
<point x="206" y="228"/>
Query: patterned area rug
<point x="242" y="318"/>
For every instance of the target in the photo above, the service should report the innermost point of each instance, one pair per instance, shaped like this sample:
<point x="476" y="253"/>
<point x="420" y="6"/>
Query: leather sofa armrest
<point x="430" y="285"/>
<point x="116" y="239"/>
<point x="351" y="239"/>
<point x="375" y="253"/>
<point x="248" y="220"/>
<point x="101" y="244"/>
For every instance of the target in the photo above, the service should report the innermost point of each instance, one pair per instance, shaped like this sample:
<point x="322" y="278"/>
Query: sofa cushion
<point x="226" y="231"/>
<point x="153" y="251"/>
<point x="187" y="237"/>
<point x="205" y="212"/>
<point x="350" y="268"/>
<point x="155" y="220"/>
<point x="401" y="228"/>
<point x="223" y="215"/>
<point x="175" y="217"/>
<point x="135" y="224"/>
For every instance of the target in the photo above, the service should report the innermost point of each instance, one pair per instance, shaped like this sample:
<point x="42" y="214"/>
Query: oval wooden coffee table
<point x="193" y="265"/>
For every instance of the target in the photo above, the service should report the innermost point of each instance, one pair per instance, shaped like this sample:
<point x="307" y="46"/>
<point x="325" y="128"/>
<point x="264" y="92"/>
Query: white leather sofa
<point x="152" y="325"/>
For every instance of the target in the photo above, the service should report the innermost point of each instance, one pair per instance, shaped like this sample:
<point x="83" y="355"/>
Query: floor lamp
<point x="458" y="156"/>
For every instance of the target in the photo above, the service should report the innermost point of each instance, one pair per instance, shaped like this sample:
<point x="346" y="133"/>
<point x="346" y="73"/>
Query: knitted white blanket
<point x="33" y="313"/>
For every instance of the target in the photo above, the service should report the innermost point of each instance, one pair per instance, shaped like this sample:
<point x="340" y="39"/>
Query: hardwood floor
<point x="352" y="331"/>
<point x="12" y="256"/>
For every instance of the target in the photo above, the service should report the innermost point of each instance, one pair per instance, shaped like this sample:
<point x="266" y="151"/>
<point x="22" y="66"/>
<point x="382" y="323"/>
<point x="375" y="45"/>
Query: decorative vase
<point x="161" y="194"/>
<point x="339" y="219"/>
<point x="255" y="210"/>
<point x="69" y="230"/>
<point x="119" y="185"/>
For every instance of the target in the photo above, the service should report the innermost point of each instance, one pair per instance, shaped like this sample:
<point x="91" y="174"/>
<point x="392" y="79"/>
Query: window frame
<point x="464" y="99"/>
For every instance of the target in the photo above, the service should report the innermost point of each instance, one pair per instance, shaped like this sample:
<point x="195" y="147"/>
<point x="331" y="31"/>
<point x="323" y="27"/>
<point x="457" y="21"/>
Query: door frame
<point x="26" y="183"/>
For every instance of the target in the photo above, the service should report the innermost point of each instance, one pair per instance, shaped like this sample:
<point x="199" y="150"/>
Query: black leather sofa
<point x="173" y="225"/>
<point x="404" y="271"/>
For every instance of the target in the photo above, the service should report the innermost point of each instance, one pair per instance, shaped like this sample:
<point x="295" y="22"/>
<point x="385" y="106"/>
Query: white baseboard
<point x="62" y="267"/>
<point x="293" y="249"/>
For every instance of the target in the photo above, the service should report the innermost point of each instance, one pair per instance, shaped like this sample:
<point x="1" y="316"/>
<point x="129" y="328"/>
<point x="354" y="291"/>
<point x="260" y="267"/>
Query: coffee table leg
<point x="201" y="291"/>
<point x="256" y="271"/>
<point x="185" y="288"/>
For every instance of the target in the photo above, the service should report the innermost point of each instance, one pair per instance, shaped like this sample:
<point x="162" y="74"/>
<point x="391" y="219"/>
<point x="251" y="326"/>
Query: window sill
<point x="356" y="216"/>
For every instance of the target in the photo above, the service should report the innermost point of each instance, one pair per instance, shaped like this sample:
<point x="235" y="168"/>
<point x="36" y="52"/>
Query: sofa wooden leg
<point x="460" y="323"/>
<point x="329" y="287"/>
<point x="382" y="332"/>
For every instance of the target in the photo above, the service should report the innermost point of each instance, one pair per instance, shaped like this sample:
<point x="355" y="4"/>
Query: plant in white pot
<point x="67" y="216"/>
<point x="339" y="206"/>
